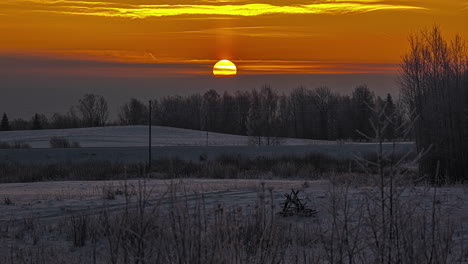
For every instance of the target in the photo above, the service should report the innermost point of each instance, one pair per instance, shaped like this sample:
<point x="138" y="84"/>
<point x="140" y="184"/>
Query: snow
<point x="47" y="200"/>
<point x="136" y="136"/>
<point x="127" y="144"/>
<point x="41" y="214"/>
<point x="51" y="201"/>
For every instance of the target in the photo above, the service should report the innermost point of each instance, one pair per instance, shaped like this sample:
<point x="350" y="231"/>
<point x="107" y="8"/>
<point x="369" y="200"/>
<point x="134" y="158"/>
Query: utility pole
<point x="206" y="128"/>
<point x="149" y="138"/>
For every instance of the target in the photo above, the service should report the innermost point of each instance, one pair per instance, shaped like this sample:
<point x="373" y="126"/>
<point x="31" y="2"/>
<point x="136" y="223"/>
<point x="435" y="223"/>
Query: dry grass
<point x="179" y="229"/>
<point x="374" y="216"/>
<point x="61" y="142"/>
<point x="310" y="167"/>
<point x="14" y="145"/>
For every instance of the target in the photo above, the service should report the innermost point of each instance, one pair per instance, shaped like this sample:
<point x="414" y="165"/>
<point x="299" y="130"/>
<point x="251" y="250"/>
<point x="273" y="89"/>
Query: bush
<point x="61" y="142"/>
<point x="14" y="145"/>
<point x="7" y="200"/>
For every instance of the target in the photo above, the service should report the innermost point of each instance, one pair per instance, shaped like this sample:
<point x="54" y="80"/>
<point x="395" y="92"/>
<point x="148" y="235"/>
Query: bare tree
<point x="363" y="103"/>
<point x="242" y="102"/>
<point x="269" y="105"/>
<point x="93" y="110"/>
<point x="434" y="86"/>
<point x="210" y="111"/>
<point x="133" y="113"/>
<point x="67" y="120"/>
<point x="263" y="121"/>
<point x="298" y="102"/>
<point x="254" y="120"/>
<point x="324" y="102"/>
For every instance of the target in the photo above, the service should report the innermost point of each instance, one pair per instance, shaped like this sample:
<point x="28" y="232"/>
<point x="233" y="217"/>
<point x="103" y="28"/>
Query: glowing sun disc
<point x="224" y="68"/>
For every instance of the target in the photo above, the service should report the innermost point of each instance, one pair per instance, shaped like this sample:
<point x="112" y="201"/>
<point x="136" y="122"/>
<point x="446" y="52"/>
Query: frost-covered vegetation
<point x="140" y="222"/>
<point x="308" y="166"/>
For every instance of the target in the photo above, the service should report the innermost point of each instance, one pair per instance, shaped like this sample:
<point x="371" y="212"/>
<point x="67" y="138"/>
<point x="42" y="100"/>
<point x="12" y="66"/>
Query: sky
<point x="54" y="51"/>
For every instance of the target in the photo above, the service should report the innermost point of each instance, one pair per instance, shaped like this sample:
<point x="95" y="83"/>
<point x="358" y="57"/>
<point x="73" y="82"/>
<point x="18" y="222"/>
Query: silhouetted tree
<point x="133" y="113"/>
<point x="284" y="120"/>
<point x="242" y="102"/>
<point x="93" y="110"/>
<point x="323" y="100"/>
<point x="363" y="105"/>
<point x="254" y="120"/>
<point x="170" y="108"/>
<point x="155" y="113"/>
<point x="344" y="126"/>
<point x="210" y="111"/>
<point x="193" y="111"/>
<point x="391" y="114"/>
<point x="298" y="102"/>
<point x="19" y="124"/>
<point x="268" y="113"/>
<point x="228" y="113"/>
<point x="36" y="122"/>
<point x="5" y="125"/>
<point x="67" y="120"/>
<point x="434" y="86"/>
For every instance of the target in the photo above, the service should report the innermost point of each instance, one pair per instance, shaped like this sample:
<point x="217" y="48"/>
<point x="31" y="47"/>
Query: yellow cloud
<point x="106" y="9"/>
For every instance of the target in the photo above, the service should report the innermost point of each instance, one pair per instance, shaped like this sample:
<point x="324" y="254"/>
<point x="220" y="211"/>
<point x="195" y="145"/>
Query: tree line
<point x="90" y="111"/>
<point x="264" y="114"/>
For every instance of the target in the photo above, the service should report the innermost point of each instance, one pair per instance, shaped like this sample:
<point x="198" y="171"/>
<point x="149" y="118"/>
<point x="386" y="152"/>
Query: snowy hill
<point x="136" y="136"/>
<point x="128" y="144"/>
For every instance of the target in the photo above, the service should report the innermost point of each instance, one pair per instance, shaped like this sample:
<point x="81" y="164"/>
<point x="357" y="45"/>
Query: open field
<point x="233" y="217"/>
<point x="136" y="136"/>
<point x="54" y="200"/>
<point x="80" y="222"/>
<point x="190" y="153"/>
<point x="127" y="145"/>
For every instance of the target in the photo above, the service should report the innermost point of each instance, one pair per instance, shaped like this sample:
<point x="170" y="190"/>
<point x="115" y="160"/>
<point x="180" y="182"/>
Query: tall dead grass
<point x="384" y="221"/>
<point x="182" y="228"/>
<point x="311" y="166"/>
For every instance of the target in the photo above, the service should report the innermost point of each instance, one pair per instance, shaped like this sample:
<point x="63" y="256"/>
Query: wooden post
<point x="149" y="139"/>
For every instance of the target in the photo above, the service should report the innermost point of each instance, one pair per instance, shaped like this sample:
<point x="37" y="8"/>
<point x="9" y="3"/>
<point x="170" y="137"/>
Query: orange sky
<point x="173" y="37"/>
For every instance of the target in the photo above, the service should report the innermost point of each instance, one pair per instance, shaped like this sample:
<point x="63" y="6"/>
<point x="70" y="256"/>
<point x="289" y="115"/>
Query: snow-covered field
<point x="47" y="215"/>
<point x="57" y="200"/>
<point x="136" y="136"/>
<point x="127" y="144"/>
<point x="53" y="200"/>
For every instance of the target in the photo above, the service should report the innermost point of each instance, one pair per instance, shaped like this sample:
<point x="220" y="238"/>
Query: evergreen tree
<point x="5" y="125"/>
<point x="390" y="114"/>
<point x="36" y="123"/>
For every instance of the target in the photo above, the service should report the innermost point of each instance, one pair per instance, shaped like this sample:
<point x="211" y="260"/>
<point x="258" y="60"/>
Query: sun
<point x="224" y="68"/>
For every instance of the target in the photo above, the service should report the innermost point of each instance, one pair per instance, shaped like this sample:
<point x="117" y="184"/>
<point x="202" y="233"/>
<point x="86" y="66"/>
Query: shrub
<point x="61" y="142"/>
<point x="79" y="229"/>
<point x="14" y="145"/>
<point x="7" y="200"/>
